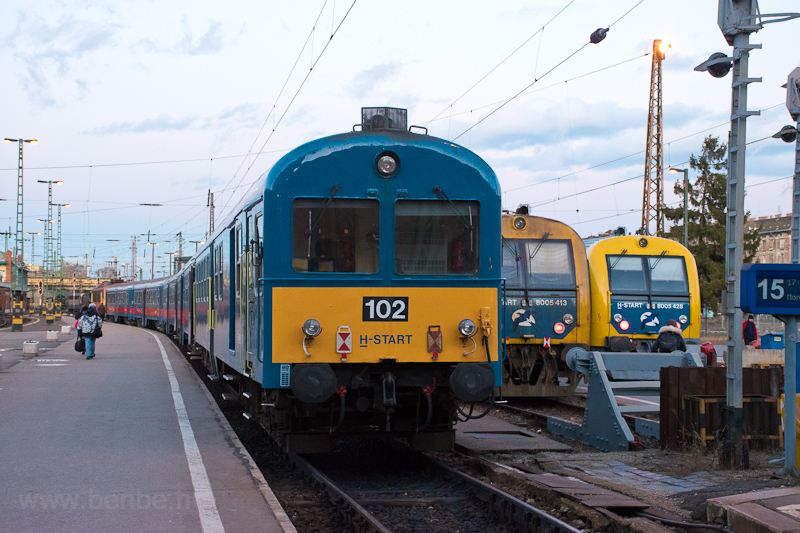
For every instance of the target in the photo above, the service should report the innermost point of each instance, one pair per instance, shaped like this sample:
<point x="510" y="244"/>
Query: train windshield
<point x="436" y="237"/>
<point x="335" y="235"/>
<point x="538" y="264"/>
<point x="663" y="276"/>
<point x="550" y="264"/>
<point x="512" y="268"/>
<point x="668" y="276"/>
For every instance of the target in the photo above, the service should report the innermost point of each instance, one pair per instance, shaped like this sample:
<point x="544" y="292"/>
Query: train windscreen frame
<point x="336" y="235"/>
<point x="647" y="275"/>
<point x="549" y="264"/>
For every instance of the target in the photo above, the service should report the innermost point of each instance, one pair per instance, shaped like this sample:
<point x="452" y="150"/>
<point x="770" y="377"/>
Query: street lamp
<point x="153" y="263"/>
<point x="685" y="203"/>
<point x="20" y="246"/>
<point x="196" y="243"/>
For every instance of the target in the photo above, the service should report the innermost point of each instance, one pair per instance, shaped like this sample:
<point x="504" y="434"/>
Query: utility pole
<point x="653" y="199"/>
<point x="737" y="19"/>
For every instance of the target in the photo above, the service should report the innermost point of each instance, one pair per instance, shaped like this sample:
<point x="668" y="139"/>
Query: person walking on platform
<point x="89" y="327"/>
<point x="669" y="338"/>
<point x="749" y="331"/>
<point x="101" y="310"/>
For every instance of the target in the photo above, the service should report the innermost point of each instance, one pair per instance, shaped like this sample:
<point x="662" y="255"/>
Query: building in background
<point x="776" y="238"/>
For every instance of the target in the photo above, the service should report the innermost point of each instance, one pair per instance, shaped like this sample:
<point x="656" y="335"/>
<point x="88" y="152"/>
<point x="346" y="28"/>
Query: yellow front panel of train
<point x="407" y="325"/>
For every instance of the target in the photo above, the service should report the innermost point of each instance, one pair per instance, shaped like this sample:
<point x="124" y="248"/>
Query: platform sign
<point x="771" y="289"/>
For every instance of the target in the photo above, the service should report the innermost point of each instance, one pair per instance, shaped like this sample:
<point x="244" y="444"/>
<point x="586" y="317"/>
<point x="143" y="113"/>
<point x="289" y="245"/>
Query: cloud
<point x="369" y="79"/>
<point x="154" y="125"/>
<point x="51" y="51"/>
<point x="211" y="42"/>
<point x="245" y="115"/>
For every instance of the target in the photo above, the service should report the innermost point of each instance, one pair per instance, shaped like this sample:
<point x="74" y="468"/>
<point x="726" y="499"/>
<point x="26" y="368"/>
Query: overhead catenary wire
<point x="450" y="106"/>
<point x="536" y="80"/>
<point x="294" y="97"/>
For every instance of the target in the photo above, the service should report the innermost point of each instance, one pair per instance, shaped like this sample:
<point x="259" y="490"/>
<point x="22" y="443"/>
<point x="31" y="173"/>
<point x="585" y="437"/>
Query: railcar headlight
<point x="643" y="243"/>
<point x="387" y="164"/>
<point x="559" y="328"/>
<point x="467" y="328"/>
<point x="683" y="319"/>
<point x="624" y="325"/>
<point x="311" y="328"/>
<point x="568" y="319"/>
<point x="520" y="223"/>
<point x="618" y="318"/>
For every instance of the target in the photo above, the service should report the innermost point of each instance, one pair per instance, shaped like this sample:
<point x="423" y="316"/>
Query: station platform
<point x="128" y="441"/>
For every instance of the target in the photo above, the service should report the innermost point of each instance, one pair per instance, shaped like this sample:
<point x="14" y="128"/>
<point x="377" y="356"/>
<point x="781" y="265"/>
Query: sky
<point x="150" y="102"/>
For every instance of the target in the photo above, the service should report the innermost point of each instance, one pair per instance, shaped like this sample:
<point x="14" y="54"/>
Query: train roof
<point x="292" y="163"/>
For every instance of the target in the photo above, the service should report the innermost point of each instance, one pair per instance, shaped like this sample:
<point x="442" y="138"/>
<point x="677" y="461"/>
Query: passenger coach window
<point x="668" y="276"/>
<point x="436" y="237"/>
<point x="340" y="235"/>
<point x="550" y="265"/>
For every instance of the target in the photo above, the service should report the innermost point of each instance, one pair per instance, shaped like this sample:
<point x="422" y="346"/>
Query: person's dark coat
<point x="669" y="339"/>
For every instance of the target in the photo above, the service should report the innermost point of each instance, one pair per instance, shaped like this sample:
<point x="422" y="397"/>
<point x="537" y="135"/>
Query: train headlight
<point x="467" y="328"/>
<point x="387" y="164"/>
<point x="624" y="325"/>
<point x="683" y="319"/>
<point x="311" y="328"/>
<point x="520" y="223"/>
<point x="618" y="318"/>
<point x="568" y="319"/>
<point x="559" y="328"/>
<point x="643" y="243"/>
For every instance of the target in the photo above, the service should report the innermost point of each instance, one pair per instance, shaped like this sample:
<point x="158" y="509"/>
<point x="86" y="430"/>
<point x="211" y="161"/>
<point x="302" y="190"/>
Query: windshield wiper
<point x="539" y="246"/>
<point x="511" y="248"/>
<point x="467" y="222"/>
<point x="312" y="224"/>
<point x="617" y="260"/>
<point x="658" y="260"/>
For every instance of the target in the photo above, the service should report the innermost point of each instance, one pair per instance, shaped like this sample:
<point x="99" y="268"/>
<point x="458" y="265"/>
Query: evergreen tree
<point x="706" y="229"/>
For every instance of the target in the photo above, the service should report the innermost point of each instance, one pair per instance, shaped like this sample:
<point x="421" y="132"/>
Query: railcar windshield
<point x="668" y="276"/>
<point x="436" y="237"/>
<point x="335" y="235"/>
<point x="512" y="268"/>
<point x="550" y="264"/>
<point x="648" y="275"/>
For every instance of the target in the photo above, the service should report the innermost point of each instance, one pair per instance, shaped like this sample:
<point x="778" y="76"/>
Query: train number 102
<point x="775" y="292"/>
<point x="385" y="309"/>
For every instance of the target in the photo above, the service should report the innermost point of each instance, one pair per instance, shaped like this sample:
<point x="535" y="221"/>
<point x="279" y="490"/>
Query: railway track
<point x="399" y="490"/>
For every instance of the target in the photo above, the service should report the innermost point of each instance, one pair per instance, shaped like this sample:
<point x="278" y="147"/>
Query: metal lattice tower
<point x="653" y="200"/>
<point x="20" y="233"/>
<point x="133" y="260"/>
<point x="211" y="214"/>
<point x="50" y="259"/>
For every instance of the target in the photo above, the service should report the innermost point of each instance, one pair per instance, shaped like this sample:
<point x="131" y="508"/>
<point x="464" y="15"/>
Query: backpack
<point x="667" y="343"/>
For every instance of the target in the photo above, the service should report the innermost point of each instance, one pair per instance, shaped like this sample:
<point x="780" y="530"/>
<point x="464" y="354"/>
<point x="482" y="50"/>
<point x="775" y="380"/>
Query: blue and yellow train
<point x="546" y="305"/>
<point x="354" y="292"/>
<point x="638" y="283"/>
<point x="614" y="300"/>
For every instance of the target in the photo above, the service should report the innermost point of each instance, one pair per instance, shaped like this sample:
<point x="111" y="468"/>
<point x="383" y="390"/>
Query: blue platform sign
<point x="770" y="289"/>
